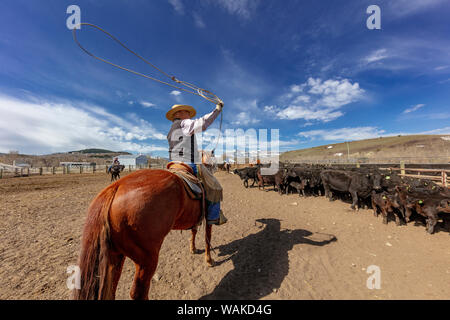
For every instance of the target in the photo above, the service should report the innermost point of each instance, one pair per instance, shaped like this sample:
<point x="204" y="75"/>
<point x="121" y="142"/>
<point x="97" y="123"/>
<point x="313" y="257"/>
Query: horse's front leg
<point x="193" y="234"/>
<point x="209" y="260"/>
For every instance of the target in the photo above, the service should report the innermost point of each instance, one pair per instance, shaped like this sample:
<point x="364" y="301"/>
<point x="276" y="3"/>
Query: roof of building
<point x="130" y="156"/>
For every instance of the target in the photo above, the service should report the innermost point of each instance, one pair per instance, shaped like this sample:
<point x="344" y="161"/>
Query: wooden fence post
<point x="53" y="170"/>
<point x="444" y="178"/>
<point x="402" y="167"/>
<point x="1" y="173"/>
<point x="81" y="169"/>
<point x="40" y="171"/>
<point x="129" y="167"/>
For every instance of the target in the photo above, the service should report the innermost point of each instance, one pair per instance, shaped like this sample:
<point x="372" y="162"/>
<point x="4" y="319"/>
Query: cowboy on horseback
<point x="115" y="163"/>
<point x="183" y="147"/>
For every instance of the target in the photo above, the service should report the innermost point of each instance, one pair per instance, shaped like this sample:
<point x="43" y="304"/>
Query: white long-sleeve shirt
<point x="191" y="126"/>
<point x="182" y="135"/>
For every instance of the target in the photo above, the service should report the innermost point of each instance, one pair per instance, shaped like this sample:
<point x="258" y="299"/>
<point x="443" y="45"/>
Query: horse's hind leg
<point x="116" y="263"/>
<point x="193" y="234"/>
<point x="142" y="277"/>
<point x="208" y="258"/>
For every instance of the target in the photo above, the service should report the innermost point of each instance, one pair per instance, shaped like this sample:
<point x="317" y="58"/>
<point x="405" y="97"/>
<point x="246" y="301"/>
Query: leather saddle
<point x="191" y="183"/>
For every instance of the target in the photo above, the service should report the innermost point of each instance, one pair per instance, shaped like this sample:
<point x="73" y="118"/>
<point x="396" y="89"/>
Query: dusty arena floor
<point x="273" y="247"/>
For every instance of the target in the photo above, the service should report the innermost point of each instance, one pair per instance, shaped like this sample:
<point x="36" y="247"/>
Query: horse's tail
<point x="96" y="280"/>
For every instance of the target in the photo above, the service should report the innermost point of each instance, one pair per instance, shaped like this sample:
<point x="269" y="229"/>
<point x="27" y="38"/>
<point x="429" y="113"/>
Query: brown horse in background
<point x="131" y="218"/>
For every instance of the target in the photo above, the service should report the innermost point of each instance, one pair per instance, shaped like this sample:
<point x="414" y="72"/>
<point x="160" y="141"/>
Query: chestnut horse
<point x="130" y="218"/>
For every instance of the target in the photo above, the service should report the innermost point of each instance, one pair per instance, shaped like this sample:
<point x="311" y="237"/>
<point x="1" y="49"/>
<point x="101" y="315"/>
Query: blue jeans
<point x="213" y="208"/>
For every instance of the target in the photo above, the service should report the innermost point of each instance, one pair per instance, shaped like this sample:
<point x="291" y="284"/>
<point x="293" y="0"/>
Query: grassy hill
<point x="99" y="156"/>
<point x="411" y="147"/>
<point x="93" y="150"/>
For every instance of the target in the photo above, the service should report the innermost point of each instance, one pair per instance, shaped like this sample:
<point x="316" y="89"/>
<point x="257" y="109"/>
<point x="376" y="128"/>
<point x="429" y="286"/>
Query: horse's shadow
<point x="260" y="261"/>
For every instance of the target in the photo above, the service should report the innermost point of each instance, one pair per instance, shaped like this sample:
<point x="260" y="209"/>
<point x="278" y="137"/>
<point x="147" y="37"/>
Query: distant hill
<point x="93" y="150"/>
<point x="435" y="148"/>
<point x="93" y="155"/>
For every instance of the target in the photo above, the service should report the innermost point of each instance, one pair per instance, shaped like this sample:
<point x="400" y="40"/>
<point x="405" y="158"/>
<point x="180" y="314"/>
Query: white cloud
<point x="177" y="95"/>
<point x="147" y="104"/>
<point x="302" y="99"/>
<point x="414" y="108"/>
<point x="318" y="100"/>
<point x="245" y="105"/>
<point x="299" y="112"/>
<point x="245" y="119"/>
<point x="296" y="88"/>
<point x="441" y="68"/>
<point x="445" y="130"/>
<point x="45" y="127"/>
<point x="242" y="8"/>
<point x="198" y="20"/>
<point x="343" y="134"/>
<point x="400" y="8"/>
<point x="376" y="56"/>
<point x="335" y="93"/>
<point x="177" y="5"/>
<point x="271" y="109"/>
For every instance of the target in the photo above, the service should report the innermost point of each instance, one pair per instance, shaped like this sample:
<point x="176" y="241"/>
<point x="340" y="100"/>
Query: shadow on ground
<point x="260" y="261"/>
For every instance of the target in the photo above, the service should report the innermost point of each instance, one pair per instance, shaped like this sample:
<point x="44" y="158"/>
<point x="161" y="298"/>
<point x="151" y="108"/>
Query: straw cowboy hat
<point x="178" y="107"/>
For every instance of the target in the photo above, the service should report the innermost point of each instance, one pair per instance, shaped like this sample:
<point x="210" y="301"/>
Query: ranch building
<point x="133" y="160"/>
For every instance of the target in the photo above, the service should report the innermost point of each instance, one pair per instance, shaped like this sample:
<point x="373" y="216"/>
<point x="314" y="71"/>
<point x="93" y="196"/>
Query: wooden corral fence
<point x="10" y="171"/>
<point x="441" y="175"/>
<point x="365" y="160"/>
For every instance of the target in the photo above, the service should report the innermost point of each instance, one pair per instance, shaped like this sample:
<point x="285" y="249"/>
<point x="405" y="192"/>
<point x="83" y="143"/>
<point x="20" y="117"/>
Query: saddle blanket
<point x="191" y="183"/>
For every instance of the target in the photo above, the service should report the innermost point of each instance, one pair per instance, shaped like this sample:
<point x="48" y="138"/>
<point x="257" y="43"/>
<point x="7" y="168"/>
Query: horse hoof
<point x="210" y="263"/>
<point x="193" y="251"/>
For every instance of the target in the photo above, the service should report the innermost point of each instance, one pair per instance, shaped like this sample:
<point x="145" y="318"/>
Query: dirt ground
<point x="273" y="247"/>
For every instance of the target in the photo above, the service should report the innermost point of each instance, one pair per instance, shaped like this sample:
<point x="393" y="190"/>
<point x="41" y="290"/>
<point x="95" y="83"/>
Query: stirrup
<point x="222" y="220"/>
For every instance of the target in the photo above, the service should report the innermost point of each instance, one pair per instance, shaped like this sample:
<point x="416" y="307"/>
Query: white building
<point x="133" y="160"/>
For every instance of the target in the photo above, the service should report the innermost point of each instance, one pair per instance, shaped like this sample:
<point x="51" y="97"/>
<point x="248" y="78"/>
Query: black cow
<point x="358" y="184"/>
<point x="247" y="173"/>
<point x="297" y="178"/>
<point x="276" y="179"/>
<point x="386" y="202"/>
<point x="427" y="203"/>
<point x="299" y="186"/>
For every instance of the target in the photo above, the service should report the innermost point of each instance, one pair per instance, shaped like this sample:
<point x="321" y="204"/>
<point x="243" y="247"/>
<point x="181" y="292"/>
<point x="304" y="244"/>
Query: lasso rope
<point x="193" y="89"/>
<point x="208" y="95"/>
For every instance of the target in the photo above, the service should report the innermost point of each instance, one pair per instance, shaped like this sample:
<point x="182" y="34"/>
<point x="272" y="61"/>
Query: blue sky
<point x="311" y="69"/>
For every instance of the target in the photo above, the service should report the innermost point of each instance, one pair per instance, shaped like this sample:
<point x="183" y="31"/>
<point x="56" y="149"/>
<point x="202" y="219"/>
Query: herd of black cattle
<point x="407" y="199"/>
